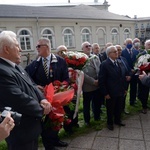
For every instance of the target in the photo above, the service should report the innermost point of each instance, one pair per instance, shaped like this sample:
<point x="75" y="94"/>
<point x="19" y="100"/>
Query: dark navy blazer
<point x="58" y="68"/>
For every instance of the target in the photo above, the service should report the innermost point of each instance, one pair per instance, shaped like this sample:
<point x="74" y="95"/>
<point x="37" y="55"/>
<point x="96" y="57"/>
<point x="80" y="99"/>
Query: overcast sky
<point x="121" y="7"/>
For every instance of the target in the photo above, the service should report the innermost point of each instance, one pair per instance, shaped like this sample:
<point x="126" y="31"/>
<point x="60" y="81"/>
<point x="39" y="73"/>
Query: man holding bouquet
<point x="43" y="73"/>
<point x="143" y="89"/>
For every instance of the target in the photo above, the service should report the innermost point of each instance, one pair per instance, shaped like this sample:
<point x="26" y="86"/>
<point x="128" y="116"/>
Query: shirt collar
<point x="10" y="62"/>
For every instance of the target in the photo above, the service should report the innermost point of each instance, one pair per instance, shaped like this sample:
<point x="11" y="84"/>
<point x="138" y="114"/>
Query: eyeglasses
<point x="114" y="52"/>
<point x="87" y="46"/>
<point x="62" y="51"/>
<point x="38" y="46"/>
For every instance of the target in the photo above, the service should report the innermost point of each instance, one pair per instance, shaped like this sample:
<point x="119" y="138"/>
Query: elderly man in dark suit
<point x="55" y="69"/>
<point x="143" y="89"/>
<point x="128" y="71"/>
<point x="112" y="82"/>
<point x="130" y="54"/>
<point x="19" y="93"/>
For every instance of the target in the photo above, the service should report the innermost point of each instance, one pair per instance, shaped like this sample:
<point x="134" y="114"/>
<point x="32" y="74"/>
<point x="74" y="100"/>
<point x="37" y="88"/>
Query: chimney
<point x="95" y="1"/>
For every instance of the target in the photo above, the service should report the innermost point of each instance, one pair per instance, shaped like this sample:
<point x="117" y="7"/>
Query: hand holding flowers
<point x="58" y="94"/>
<point x="143" y="64"/>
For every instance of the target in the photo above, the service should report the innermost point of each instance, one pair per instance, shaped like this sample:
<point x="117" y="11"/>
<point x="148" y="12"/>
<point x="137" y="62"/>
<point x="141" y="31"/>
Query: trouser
<point x="93" y="96"/>
<point x="33" y="145"/>
<point x="133" y="89"/>
<point x="143" y="94"/>
<point x="49" y="138"/>
<point x="114" y="108"/>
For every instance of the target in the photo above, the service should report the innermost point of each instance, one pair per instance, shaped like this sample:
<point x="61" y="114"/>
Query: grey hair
<point x="95" y="44"/>
<point x="147" y="41"/>
<point x="45" y="41"/>
<point x="59" y="48"/>
<point x="108" y="50"/>
<point x="84" y="43"/>
<point x="7" y="39"/>
<point x="118" y="46"/>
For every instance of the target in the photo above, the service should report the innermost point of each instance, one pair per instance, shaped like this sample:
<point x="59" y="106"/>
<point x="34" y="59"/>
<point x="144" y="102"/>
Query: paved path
<point x="134" y="136"/>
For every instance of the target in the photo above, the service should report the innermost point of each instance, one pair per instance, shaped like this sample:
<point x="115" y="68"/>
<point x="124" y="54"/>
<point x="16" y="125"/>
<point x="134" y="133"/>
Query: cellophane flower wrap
<point x="75" y="60"/>
<point x="143" y="64"/>
<point x="58" y="94"/>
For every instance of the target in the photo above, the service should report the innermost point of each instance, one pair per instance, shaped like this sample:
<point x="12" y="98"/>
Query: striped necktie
<point x="45" y="67"/>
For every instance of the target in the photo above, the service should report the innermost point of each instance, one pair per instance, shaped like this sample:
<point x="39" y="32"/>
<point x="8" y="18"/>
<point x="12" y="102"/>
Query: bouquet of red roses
<point x="58" y="94"/>
<point x="75" y="60"/>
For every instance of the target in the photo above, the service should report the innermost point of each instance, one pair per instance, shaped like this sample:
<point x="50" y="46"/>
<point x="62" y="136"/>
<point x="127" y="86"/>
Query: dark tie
<point x="116" y="66"/>
<point x="45" y="67"/>
<point x="130" y="52"/>
<point x="115" y="63"/>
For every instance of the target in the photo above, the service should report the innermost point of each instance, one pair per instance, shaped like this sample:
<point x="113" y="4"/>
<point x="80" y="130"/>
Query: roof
<point x="77" y="12"/>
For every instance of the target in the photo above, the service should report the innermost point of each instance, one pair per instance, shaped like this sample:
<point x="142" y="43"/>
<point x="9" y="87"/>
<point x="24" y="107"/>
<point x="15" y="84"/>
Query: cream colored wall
<point x="37" y="24"/>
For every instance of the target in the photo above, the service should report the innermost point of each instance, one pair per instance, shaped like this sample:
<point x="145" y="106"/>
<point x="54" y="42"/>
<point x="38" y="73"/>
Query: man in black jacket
<point x="57" y="70"/>
<point x="19" y="93"/>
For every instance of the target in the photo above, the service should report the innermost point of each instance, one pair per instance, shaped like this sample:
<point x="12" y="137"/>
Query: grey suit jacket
<point x="17" y="91"/>
<point x="91" y="70"/>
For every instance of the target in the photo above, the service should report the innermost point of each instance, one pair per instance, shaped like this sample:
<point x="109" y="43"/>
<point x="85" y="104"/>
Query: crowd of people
<point x="108" y="76"/>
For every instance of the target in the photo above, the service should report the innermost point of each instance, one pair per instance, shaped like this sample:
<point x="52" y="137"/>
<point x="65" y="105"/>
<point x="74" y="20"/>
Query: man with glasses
<point x="44" y="70"/>
<point x="128" y="75"/>
<point x="112" y="83"/>
<point x="61" y="50"/>
<point x="90" y="85"/>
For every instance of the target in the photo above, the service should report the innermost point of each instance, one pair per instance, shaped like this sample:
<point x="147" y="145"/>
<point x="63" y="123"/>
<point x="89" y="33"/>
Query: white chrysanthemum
<point x="143" y="59"/>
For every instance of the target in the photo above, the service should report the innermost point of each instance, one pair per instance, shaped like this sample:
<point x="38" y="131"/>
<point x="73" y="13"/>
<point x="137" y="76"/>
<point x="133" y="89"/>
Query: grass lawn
<point x="95" y="125"/>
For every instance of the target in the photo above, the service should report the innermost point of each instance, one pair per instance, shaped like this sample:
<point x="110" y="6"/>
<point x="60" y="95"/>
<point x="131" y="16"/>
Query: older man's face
<point x="87" y="48"/>
<point x="42" y="49"/>
<point x="113" y="54"/>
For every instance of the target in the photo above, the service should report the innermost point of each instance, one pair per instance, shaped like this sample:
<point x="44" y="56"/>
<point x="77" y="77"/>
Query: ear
<point x="6" y="49"/>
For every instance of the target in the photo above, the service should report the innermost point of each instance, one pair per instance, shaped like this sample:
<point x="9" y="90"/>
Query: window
<point x="126" y="33"/>
<point x="85" y="35"/>
<point x="142" y="26"/>
<point x="25" y="39"/>
<point x="48" y="33"/>
<point x="114" y="36"/>
<point x="101" y="36"/>
<point x="68" y="37"/>
<point x="142" y="35"/>
<point x="148" y="34"/>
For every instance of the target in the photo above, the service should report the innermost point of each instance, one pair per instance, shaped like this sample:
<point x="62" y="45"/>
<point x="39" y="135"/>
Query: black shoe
<point x="126" y="112"/>
<point x="61" y="144"/>
<point x="144" y="111"/>
<point x="120" y="124"/>
<point x="110" y="127"/>
<point x="51" y="148"/>
<point x="54" y="148"/>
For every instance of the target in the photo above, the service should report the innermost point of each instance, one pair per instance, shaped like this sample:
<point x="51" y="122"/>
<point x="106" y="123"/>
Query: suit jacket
<point x="18" y="92"/>
<point x="58" y="69"/>
<point x="91" y="70"/>
<point x="146" y="81"/>
<point x="111" y="80"/>
<point x="130" y="60"/>
<point x="125" y="64"/>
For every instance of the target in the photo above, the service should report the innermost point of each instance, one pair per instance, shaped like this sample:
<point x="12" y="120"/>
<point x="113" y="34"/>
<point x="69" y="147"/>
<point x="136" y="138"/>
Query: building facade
<point x="142" y="28"/>
<point x="68" y="26"/>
